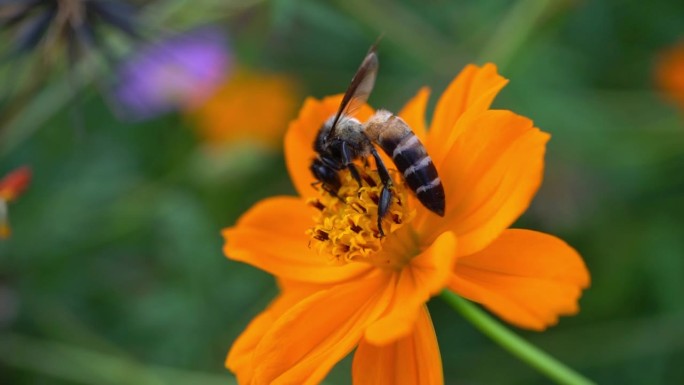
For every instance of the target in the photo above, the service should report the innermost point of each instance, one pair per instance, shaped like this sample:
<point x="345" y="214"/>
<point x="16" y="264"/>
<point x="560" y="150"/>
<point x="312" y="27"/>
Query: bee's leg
<point x="386" y="193"/>
<point x="347" y="157"/>
<point x="325" y="188"/>
<point x="331" y="190"/>
<point x="355" y="173"/>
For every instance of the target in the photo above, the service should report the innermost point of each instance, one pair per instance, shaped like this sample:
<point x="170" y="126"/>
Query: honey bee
<point x="343" y="139"/>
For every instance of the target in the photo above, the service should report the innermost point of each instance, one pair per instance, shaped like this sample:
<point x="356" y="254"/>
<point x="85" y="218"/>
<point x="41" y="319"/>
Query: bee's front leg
<point x="348" y="162"/>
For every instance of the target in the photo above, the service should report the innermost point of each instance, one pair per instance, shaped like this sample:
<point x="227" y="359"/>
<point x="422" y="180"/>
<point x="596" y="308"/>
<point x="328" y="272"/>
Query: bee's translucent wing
<point x="360" y="87"/>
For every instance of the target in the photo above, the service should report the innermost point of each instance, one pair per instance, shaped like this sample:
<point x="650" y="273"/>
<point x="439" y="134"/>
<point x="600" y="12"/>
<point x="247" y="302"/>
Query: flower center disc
<point x="346" y="225"/>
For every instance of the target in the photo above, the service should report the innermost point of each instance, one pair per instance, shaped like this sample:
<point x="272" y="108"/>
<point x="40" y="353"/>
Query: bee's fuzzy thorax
<point x="376" y="124"/>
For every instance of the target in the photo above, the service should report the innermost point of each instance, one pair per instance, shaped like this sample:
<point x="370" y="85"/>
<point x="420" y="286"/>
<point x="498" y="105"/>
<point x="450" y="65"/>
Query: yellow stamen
<point x="346" y="225"/>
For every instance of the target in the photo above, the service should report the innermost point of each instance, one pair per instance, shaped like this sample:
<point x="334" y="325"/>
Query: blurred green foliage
<point x="115" y="274"/>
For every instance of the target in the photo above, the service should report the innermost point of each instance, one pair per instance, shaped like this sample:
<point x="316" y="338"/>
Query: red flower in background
<point x="11" y="187"/>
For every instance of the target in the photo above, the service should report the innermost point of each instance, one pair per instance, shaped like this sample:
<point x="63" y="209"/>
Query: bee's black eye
<point x="325" y="174"/>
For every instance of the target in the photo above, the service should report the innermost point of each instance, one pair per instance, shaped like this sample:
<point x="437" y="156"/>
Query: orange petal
<point x="490" y="175"/>
<point x="426" y="275"/>
<point x="301" y="134"/>
<point x="472" y="91"/>
<point x="413" y="113"/>
<point x="306" y="341"/>
<point x="412" y="360"/>
<point x="271" y="236"/>
<point x="239" y="359"/>
<point x="526" y="277"/>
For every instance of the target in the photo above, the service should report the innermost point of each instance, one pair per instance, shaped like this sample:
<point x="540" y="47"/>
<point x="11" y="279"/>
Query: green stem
<point x="514" y="344"/>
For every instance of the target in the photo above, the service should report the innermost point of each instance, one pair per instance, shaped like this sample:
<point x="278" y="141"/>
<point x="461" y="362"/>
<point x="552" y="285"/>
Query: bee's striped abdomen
<point x="413" y="161"/>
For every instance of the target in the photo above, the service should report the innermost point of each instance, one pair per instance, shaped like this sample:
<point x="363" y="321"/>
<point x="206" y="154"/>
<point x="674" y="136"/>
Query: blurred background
<point x="150" y="126"/>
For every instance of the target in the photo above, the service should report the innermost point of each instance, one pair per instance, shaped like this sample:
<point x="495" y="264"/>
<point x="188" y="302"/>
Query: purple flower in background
<point x="177" y="73"/>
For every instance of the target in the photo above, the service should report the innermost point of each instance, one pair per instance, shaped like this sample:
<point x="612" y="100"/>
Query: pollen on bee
<point x="346" y="225"/>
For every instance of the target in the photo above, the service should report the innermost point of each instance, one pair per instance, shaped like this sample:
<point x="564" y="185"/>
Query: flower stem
<point x="514" y="344"/>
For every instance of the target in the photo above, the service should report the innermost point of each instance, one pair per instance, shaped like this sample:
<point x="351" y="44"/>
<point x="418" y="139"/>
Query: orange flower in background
<point x="11" y="186"/>
<point x="342" y="286"/>
<point x="249" y="106"/>
<point x="670" y="73"/>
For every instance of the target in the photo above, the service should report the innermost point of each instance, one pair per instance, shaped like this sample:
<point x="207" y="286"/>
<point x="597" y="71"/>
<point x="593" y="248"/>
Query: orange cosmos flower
<point x="11" y="186"/>
<point x="670" y="73"/>
<point x="249" y="106"/>
<point x="343" y="287"/>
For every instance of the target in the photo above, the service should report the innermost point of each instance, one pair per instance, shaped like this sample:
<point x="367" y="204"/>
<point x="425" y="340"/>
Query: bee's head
<point x="325" y="174"/>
